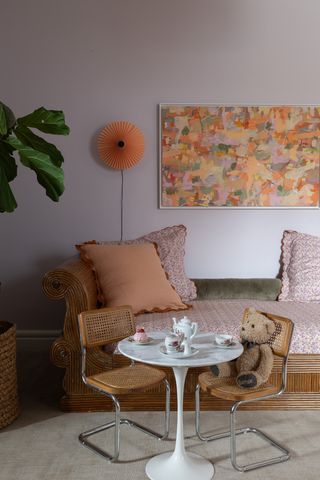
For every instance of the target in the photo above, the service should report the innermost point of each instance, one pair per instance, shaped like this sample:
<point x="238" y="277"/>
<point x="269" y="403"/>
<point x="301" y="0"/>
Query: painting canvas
<point x="239" y="156"/>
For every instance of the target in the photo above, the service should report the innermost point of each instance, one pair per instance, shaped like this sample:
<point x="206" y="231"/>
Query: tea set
<point x="178" y="342"/>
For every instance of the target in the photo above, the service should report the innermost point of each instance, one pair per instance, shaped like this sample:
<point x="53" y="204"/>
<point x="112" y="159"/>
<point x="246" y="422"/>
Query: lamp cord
<point x="121" y="206"/>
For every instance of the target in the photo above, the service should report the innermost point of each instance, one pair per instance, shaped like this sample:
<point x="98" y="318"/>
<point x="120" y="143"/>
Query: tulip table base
<point x="168" y="466"/>
<point x="179" y="465"/>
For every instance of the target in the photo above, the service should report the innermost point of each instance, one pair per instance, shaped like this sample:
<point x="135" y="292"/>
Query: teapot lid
<point x="185" y="320"/>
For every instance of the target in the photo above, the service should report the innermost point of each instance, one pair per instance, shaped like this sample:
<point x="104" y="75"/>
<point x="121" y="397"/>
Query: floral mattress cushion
<point x="224" y="316"/>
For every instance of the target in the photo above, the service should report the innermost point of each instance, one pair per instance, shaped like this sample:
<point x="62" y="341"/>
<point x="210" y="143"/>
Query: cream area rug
<point x="42" y="445"/>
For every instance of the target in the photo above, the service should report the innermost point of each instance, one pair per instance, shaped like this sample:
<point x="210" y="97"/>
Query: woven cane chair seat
<point x="227" y="388"/>
<point x="127" y="379"/>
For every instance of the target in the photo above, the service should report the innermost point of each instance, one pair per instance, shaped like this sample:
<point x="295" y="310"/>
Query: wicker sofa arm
<point x="73" y="278"/>
<point x="74" y="282"/>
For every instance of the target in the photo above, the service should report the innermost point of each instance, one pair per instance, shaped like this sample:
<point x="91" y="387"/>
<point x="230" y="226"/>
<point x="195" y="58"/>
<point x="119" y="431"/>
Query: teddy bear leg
<point x="223" y="370"/>
<point x="249" y="380"/>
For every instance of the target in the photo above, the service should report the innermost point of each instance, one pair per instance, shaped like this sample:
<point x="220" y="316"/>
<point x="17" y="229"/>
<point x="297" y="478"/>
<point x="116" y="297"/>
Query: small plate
<point x="232" y="344"/>
<point x="147" y="342"/>
<point x="164" y="351"/>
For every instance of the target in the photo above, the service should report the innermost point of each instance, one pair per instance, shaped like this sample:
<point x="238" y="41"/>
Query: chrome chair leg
<point x="233" y="432"/>
<point x="116" y="424"/>
<point x="148" y="431"/>
<point x="202" y="437"/>
<point x="167" y="412"/>
<point x="83" y="437"/>
<point x="233" y="453"/>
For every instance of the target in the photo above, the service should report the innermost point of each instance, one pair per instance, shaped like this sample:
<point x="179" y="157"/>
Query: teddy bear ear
<point x="271" y="328"/>
<point x="251" y="310"/>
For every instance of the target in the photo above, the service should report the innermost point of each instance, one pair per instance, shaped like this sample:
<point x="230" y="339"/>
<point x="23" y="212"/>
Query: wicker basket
<point x="9" y="405"/>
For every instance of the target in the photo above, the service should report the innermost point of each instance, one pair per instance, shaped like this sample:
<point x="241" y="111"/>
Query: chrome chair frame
<point x="83" y="437"/>
<point x="233" y="432"/>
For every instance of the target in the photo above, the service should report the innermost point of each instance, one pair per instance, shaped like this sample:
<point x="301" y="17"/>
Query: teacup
<point x="172" y="342"/>
<point x="223" y="339"/>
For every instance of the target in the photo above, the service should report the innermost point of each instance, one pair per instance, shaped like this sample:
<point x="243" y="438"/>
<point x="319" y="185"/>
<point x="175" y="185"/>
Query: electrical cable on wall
<point x="121" y="237"/>
<point x="121" y="146"/>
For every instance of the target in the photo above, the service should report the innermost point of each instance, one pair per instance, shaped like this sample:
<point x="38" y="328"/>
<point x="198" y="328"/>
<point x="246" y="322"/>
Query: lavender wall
<point x="105" y="60"/>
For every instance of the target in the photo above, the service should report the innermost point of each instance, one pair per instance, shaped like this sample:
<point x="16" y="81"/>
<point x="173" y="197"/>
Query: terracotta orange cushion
<point x="131" y="275"/>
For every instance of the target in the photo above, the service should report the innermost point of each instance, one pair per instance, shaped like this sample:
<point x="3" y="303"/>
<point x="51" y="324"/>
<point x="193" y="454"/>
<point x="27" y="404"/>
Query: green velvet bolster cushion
<point x="233" y="288"/>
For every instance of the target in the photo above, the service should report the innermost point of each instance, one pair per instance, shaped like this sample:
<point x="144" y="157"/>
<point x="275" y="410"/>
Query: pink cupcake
<point x="140" y="335"/>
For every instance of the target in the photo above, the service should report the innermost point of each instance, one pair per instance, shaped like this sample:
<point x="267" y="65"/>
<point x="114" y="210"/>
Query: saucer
<point x="146" y="342"/>
<point x="180" y="354"/>
<point x="232" y="344"/>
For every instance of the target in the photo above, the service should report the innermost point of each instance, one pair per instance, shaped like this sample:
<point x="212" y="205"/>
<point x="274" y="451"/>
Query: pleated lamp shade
<point x="121" y="145"/>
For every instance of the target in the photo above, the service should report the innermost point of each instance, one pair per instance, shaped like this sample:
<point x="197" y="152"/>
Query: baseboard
<point x="36" y="340"/>
<point x="38" y="334"/>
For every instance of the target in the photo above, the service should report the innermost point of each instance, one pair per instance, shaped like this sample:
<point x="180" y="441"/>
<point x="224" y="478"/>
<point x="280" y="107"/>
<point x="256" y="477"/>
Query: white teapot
<point x="185" y="326"/>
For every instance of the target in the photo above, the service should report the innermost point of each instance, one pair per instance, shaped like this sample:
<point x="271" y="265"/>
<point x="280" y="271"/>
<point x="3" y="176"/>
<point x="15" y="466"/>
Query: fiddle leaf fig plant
<point x="34" y="152"/>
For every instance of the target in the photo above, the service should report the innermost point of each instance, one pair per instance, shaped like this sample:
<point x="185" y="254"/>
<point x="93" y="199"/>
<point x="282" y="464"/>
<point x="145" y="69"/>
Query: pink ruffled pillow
<point x="300" y="267"/>
<point x="171" y="243"/>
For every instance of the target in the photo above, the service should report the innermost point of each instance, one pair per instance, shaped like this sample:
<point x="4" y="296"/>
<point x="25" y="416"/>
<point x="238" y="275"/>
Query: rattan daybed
<point x="74" y="282"/>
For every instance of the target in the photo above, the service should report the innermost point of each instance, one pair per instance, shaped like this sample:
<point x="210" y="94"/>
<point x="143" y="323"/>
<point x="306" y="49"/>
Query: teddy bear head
<point x="256" y="327"/>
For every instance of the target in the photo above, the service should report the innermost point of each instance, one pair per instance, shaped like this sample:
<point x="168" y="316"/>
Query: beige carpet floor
<point x="42" y="443"/>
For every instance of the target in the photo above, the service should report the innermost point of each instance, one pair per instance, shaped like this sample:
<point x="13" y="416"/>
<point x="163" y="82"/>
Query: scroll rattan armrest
<point x="74" y="280"/>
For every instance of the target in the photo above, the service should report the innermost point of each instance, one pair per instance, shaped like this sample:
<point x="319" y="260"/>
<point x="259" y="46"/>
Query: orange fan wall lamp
<point x="121" y="146"/>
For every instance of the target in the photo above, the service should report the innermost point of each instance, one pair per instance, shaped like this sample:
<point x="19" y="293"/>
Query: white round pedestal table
<point x="179" y="464"/>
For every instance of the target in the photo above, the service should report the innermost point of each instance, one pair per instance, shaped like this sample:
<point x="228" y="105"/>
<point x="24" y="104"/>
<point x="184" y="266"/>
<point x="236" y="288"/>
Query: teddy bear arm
<point x="266" y="362"/>
<point x="238" y="364"/>
<point x="249" y="360"/>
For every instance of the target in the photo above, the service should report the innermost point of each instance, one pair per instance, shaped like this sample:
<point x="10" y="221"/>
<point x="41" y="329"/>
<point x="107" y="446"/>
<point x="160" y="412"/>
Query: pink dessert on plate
<point x="140" y="335"/>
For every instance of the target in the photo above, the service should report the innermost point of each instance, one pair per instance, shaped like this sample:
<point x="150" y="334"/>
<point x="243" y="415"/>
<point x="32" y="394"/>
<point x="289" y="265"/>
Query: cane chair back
<point x="106" y="325"/>
<point x="110" y="325"/>
<point x="281" y="338"/>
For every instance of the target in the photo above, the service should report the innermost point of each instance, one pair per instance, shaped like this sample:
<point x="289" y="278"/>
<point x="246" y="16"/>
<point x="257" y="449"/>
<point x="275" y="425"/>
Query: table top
<point x="209" y="353"/>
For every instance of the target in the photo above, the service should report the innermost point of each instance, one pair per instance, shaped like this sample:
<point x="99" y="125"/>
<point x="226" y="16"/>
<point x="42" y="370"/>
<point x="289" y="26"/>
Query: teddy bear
<point x="254" y="365"/>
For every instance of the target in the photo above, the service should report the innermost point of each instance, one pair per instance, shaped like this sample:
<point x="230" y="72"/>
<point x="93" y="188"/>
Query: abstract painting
<point x="214" y="156"/>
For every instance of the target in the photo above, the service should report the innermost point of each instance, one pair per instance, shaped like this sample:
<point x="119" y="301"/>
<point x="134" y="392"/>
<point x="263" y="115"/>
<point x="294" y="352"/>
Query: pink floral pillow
<point x="301" y="267"/>
<point x="171" y="242"/>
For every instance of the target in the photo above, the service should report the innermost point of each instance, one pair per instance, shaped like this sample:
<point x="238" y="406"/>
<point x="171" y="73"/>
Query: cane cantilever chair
<point x="226" y="388"/>
<point x="107" y="326"/>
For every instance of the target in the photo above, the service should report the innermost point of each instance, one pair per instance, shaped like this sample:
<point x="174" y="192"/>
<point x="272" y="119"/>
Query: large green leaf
<point x="48" y="121"/>
<point x="3" y="121"/>
<point x="27" y="137"/>
<point x="9" y="115"/>
<point x="7" y="161"/>
<point x="8" y="171"/>
<point x="49" y="176"/>
<point x="7" y="201"/>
